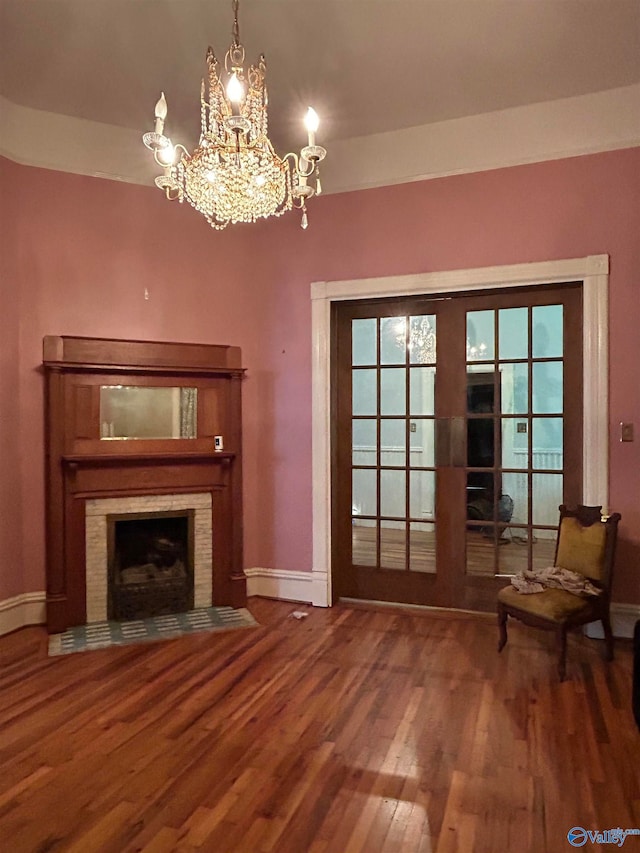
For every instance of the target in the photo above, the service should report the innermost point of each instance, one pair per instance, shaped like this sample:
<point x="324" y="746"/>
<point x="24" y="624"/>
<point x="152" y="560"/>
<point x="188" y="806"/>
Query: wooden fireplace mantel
<point x="81" y="464"/>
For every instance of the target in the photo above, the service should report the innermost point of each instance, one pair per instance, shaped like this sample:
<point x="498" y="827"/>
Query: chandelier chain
<point x="236" y="27"/>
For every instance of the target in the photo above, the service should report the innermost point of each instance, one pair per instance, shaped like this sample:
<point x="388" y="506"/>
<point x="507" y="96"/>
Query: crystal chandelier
<point x="234" y="174"/>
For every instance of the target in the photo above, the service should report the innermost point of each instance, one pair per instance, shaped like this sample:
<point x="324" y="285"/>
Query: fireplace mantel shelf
<point x="237" y="373"/>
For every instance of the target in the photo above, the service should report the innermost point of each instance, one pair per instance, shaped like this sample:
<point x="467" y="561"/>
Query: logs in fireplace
<point x="150" y="564"/>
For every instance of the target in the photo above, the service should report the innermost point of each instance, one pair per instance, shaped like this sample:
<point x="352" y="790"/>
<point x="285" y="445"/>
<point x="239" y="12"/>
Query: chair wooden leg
<point x="502" y="627"/>
<point x="561" y="635"/>
<point x="608" y="636"/>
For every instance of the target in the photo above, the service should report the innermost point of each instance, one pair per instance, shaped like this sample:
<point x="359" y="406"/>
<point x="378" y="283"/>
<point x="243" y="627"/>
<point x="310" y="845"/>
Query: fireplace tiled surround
<point x="97" y="510"/>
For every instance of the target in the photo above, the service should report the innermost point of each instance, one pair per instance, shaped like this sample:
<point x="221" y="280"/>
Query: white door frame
<point x="592" y="270"/>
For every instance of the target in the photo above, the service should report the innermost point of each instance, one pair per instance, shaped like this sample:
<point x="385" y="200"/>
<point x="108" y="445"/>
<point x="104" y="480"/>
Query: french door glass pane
<point x="393" y="499"/>
<point x="422" y="339"/>
<point x="422" y="547"/>
<point x="513" y="333"/>
<point x="363" y="341"/>
<point x="515" y="443"/>
<point x="393" y="442"/>
<point x="422" y="498"/>
<point x="363" y="492"/>
<point x="547" y="443"/>
<point x="547" y="386"/>
<point x="480" y="548"/>
<point x="421" y="390"/>
<point x="393" y="340"/>
<point x="480" y="335"/>
<point x="393" y="394"/>
<point x="393" y="546"/>
<point x="481" y="392"/>
<point x="364" y="441"/>
<point x="364" y="542"/>
<point x="514" y="397"/>
<point x="480" y="443"/>
<point x="543" y="547"/>
<point x="547" y="497"/>
<point x="364" y="391"/>
<point x="516" y="485"/>
<point x="548" y="331"/>
<point x="422" y="443"/>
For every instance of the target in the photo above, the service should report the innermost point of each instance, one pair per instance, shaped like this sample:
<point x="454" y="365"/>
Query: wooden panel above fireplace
<point x="87" y="458"/>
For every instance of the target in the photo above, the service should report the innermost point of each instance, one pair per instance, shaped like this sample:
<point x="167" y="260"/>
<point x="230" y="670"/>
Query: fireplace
<point x="147" y="555"/>
<point x="141" y="430"/>
<point x="150" y="564"/>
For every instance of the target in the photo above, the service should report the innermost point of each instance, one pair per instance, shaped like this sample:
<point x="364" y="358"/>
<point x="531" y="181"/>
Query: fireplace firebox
<point x="151" y="558"/>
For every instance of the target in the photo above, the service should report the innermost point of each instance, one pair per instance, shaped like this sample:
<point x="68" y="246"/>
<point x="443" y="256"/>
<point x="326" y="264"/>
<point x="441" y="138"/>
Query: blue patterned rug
<point x="100" y="635"/>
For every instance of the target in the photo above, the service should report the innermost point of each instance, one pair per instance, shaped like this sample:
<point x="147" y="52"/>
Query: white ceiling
<point x="367" y="66"/>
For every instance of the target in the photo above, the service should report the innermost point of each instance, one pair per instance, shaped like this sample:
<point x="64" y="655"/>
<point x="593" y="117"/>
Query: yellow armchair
<point x="586" y="544"/>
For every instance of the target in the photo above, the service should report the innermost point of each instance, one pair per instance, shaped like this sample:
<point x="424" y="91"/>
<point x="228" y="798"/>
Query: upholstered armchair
<point x="586" y="544"/>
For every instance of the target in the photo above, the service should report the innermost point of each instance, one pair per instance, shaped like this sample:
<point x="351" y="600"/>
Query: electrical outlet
<point x="626" y="432"/>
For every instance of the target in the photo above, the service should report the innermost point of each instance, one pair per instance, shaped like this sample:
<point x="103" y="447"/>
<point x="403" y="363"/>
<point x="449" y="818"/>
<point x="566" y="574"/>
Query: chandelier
<point x="234" y="173"/>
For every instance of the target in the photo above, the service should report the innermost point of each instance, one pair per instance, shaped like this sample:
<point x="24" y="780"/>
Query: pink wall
<point x="84" y="250"/>
<point x="12" y="580"/>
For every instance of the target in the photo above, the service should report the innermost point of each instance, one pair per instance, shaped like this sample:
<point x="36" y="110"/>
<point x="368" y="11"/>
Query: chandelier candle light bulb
<point x="234" y="174"/>
<point x="311" y="122"/>
<point x="235" y="91"/>
<point x="167" y="155"/>
<point x="161" y="114"/>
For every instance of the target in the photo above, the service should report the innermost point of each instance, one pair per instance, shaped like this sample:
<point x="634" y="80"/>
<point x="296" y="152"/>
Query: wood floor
<point x="350" y="730"/>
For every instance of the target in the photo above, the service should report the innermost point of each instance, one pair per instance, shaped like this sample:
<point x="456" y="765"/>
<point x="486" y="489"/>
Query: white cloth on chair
<point x="537" y="580"/>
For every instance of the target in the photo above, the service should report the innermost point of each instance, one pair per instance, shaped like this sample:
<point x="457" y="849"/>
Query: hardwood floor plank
<point x="356" y="729"/>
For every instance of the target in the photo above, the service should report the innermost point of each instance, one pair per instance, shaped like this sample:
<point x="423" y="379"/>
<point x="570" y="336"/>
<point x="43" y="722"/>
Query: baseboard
<point x="623" y="620"/>
<point x="27" y="609"/>
<point x="309" y="587"/>
<point x="30" y="607"/>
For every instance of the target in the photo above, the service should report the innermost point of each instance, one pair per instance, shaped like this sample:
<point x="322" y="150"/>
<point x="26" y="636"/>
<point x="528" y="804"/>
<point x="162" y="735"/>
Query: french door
<point x="457" y="433"/>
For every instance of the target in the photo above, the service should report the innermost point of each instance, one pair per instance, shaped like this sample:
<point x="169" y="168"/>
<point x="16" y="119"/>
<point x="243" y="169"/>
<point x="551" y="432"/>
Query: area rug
<point x="100" y="635"/>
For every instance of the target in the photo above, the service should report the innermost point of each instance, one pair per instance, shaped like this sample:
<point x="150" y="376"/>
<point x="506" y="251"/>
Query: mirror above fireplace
<point x="139" y="412"/>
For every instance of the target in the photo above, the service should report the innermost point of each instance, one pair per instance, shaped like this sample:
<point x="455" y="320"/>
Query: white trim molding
<point x="533" y="133"/>
<point x="592" y="270"/>
<point x="623" y="620"/>
<point x="22" y="610"/>
<point x="289" y="586"/>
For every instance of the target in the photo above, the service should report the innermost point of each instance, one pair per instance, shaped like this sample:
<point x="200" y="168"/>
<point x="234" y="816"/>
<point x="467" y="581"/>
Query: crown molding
<point x="588" y="124"/>
<point x="553" y="130"/>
